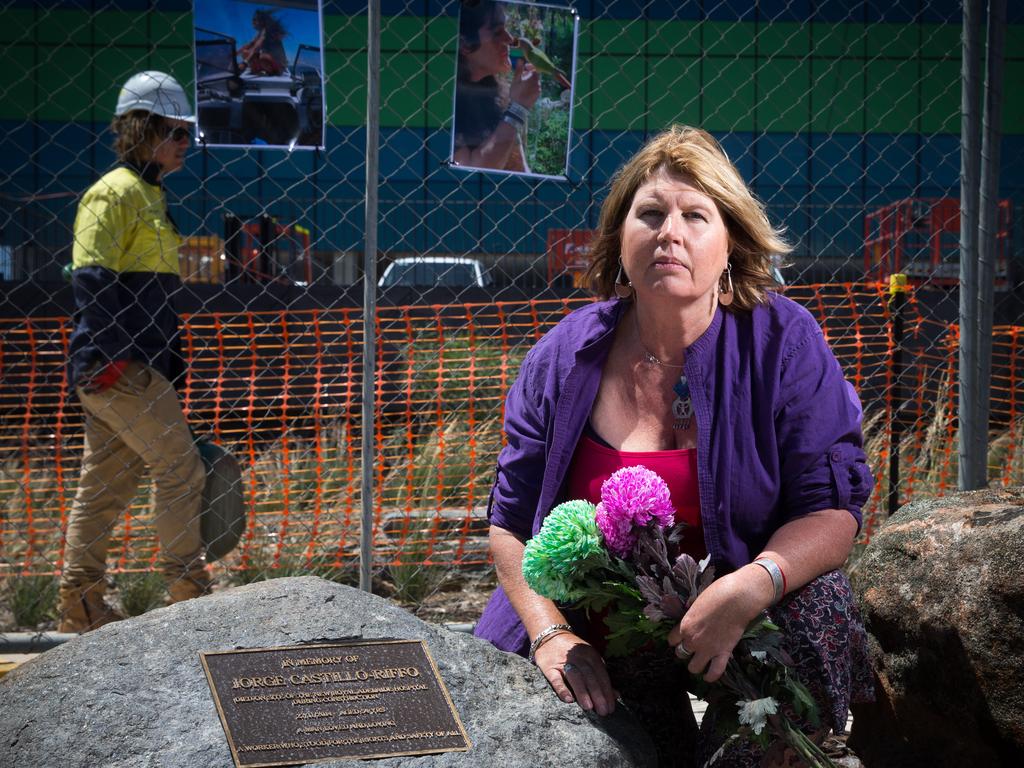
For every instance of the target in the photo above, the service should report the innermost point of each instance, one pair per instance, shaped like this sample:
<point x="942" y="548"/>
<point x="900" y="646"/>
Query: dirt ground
<point x="458" y="599"/>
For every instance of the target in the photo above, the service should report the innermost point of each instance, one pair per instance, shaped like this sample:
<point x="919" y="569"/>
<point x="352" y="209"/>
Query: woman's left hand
<point x="804" y="548"/>
<point x="717" y="619"/>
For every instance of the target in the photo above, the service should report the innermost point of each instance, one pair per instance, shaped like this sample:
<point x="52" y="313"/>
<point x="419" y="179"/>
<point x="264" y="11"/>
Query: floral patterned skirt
<point x="825" y="637"/>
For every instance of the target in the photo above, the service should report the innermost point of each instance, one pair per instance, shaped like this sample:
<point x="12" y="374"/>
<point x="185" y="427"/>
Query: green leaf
<point x="802" y="700"/>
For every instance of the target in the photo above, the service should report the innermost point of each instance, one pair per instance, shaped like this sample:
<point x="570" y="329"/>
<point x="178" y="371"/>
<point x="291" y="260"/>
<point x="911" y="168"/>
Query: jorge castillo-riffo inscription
<point x="310" y="703"/>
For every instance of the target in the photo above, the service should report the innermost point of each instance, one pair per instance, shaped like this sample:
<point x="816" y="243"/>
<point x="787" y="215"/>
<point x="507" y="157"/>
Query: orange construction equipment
<point x="202" y="259"/>
<point x="920" y="237"/>
<point x="278" y="252"/>
<point x="569" y="254"/>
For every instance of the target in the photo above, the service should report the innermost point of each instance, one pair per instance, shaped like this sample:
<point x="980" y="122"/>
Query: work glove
<point x="104" y="378"/>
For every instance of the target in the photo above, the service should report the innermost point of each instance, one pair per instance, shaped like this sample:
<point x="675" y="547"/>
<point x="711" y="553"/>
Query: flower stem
<point x="813" y="755"/>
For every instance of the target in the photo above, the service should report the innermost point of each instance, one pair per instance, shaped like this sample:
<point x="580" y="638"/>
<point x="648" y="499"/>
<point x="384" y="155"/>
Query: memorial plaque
<point x="310" y="703"/>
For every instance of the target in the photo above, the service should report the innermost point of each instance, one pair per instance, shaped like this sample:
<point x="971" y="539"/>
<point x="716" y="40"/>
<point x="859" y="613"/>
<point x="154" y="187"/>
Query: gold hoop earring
<point x="726" y="295"/>
<point x="623" y="290"/>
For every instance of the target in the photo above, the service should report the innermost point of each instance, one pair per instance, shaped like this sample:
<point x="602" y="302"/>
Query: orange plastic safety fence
<point x="282" y="391"/>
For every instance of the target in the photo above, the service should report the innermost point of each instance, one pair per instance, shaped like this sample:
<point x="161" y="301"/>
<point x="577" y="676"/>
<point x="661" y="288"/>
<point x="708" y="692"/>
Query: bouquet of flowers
<point x="622" y="556"/>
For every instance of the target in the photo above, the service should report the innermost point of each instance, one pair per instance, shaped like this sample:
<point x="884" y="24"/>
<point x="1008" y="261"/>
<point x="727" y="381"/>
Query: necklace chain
<point x="682" y="407"/>
<point x="649" y="356"/>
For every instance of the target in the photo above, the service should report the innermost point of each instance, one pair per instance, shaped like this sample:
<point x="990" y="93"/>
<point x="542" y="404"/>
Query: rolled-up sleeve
<point x="520" y="471"/>
<point x="819" y="428"/>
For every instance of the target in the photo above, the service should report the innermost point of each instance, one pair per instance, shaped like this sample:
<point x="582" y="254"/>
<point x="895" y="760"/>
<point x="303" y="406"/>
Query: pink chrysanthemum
<point x="630" y="499"/>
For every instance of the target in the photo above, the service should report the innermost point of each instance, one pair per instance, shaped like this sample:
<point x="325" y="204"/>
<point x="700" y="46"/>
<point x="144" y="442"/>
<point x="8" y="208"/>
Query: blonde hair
<point x="693" y="153"/>
<point x="135" y="134"/>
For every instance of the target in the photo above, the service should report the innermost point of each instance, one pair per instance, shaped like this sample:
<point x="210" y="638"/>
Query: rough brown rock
<point x="941" y="587"/>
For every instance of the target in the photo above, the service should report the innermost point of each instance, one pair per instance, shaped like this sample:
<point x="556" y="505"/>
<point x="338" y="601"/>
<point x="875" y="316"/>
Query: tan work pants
<point x="136" y="422"/>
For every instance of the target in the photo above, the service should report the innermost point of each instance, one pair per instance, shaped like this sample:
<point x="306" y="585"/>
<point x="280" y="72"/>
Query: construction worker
<point x="125" y="358"/>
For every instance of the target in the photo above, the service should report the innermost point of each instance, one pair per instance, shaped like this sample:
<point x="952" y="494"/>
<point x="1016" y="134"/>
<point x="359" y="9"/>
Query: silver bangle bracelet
<point x="778" y="580"/>
<point x="512" y="120"/>
<point x="544" y="634"/>
<point x="518" y="110"/>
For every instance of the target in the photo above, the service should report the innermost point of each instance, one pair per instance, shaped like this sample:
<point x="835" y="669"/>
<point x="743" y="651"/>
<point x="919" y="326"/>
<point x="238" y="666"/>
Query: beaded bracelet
<point x="544" y="634"/>
<point x="777" y="576"/>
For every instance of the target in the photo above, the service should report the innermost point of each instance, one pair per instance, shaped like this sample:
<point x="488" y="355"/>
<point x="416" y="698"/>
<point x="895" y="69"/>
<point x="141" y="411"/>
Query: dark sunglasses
<point x="176" y="134"/>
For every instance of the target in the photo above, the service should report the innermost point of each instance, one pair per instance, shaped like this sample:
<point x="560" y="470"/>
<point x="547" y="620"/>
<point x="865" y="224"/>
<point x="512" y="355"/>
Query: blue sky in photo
<point x="234" y="18"/>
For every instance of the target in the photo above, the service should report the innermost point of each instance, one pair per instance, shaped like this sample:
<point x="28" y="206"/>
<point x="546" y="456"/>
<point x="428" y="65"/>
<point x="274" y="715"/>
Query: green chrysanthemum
<point x="568" y="545"/>
<point x="570" y="535"/>
<point x="546" y="581"/>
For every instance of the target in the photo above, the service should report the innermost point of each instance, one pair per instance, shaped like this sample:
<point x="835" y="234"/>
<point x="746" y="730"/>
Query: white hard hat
<point x="155" y="92"/>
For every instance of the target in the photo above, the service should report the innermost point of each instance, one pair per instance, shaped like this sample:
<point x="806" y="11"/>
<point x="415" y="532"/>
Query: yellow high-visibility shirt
<point x="122" y="224"/>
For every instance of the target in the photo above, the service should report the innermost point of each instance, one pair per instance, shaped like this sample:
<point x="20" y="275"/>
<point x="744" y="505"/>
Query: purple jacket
<point x="778" y="432"/>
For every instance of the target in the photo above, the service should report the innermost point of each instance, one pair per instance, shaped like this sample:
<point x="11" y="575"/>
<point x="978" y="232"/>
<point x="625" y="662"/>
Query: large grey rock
<point x="134" y="693"/>
<point x="941" y="589"/>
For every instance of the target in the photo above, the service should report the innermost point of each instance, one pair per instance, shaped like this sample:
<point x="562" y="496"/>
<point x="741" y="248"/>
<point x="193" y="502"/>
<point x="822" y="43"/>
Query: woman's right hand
<point x="577" y="673"/>
<point x="525" y="88"/>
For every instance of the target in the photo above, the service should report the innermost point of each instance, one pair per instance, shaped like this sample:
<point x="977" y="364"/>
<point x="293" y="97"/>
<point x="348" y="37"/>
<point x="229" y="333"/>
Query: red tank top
<point x="594" y="463"/>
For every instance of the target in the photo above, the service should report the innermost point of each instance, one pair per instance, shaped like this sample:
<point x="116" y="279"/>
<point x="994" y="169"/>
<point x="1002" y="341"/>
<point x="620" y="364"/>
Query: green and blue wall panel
<point x="828" y="107"/>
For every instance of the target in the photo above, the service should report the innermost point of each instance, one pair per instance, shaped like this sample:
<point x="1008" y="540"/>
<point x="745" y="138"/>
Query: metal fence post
<point x="370" y="294"/>
<point x="970" y="135"/>
<point x="987" y="226"/>
<point x="897" y="300"/>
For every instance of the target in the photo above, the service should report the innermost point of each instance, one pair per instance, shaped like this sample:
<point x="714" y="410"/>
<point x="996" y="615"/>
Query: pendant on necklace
<point x="682" y="408"/>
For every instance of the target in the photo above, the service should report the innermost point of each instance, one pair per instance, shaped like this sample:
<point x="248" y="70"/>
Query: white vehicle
<point x="435" y="271"/>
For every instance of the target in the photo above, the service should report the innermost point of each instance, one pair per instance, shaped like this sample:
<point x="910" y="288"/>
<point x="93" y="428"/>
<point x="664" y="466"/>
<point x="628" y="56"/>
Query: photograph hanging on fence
<point x="259" y="73"/>
<point x="514" y="78"/>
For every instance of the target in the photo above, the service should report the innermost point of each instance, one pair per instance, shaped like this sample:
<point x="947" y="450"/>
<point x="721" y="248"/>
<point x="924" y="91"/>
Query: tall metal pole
<point x="988" y="222"/>
<point x="897" y="300"/>
<point x="970" y="148"/>
<point x="370" y="293"/>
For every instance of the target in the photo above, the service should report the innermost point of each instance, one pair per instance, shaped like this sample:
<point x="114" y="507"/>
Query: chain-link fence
<point x="844" y="117"/>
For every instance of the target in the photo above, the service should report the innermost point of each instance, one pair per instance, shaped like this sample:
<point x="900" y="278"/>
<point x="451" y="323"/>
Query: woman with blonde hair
<point x="693" y="366"/>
